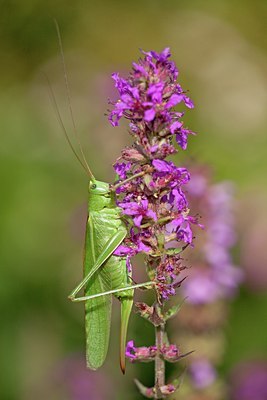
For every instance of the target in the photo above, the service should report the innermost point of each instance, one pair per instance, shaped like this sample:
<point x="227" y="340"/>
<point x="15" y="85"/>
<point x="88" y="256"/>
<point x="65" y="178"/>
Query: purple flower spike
<point x="152" y="201"/>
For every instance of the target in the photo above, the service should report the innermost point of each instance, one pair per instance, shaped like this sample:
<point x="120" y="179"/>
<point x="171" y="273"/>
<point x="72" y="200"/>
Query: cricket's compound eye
<point x="93" y="186"/>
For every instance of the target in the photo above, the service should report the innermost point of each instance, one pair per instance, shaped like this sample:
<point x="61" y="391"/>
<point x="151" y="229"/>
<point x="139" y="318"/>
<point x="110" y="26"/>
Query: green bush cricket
<point x="104" y="274"/>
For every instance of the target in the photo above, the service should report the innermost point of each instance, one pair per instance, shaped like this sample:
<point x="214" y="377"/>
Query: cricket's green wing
<point x="97" y="310"/>
<point x="105" y="232"/>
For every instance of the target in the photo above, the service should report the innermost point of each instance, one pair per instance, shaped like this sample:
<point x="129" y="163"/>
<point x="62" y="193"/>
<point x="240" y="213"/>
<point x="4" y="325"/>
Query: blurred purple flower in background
<point x="79" y="383"/>
<point x="202" y="373"/>
<point x="249" y="381"/>
<point x="212" y="281"/>
<point x="220" y="278"/>
<point x="253" y="240"/>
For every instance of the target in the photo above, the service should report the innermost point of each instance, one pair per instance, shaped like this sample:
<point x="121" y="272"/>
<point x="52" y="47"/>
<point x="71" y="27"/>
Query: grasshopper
<point x="104" y="274"/>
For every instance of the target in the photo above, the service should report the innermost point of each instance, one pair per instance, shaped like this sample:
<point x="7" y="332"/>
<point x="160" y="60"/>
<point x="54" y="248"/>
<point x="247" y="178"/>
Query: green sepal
<point x="174" y="251"/>
<point x="156" y="391"/>
<point x="149" y="393"/>
<point x="166" y="341"/>
<point x="172" y="311"/>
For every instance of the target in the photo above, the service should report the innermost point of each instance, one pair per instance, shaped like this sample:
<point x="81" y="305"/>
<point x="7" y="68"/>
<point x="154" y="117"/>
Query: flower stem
<point x="159" y="361"/>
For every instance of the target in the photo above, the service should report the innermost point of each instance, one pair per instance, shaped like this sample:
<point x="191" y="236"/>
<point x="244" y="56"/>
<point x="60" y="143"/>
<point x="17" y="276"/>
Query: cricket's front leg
<point x="108" y="250"/>
<point x="147" y="285"/>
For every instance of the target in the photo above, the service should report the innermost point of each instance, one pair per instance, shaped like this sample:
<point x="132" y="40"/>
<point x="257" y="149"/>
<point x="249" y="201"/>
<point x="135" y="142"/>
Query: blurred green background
<point x="220" y="48"/>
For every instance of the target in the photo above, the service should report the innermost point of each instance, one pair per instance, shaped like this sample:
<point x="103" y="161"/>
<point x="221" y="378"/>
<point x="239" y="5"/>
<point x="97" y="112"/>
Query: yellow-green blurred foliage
<point x="220" y="48"/>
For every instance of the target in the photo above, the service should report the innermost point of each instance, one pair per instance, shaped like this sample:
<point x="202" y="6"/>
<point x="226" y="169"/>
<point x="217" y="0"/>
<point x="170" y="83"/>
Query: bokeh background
<point x="220" y="48"/>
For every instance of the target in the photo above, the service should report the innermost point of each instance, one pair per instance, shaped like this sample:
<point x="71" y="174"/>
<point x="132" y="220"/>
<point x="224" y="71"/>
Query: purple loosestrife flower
<point x="143" y="354"/>
<point x="138" y="210"/>
<point x="152" y="199"/>
<point x="121" y="169"/>
<point x="171" y="353"/>
<point x="130" y="350"/>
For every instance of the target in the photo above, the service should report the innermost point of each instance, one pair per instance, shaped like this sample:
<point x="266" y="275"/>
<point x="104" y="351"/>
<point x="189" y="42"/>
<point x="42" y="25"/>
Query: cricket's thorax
<point x="104" y="221"/>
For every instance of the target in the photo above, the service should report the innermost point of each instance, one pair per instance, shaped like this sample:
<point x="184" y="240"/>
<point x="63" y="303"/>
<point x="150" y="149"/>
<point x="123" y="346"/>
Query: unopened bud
<point x="131" y="154"/>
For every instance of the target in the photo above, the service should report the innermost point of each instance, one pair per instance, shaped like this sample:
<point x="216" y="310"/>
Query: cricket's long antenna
<point x="69" y="100"/>
<point x="59" y="118"/>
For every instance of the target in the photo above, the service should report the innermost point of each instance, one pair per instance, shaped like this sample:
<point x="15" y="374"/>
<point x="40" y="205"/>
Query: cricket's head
<point x="99" y="195"/>
<point x="98" y="188"/>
